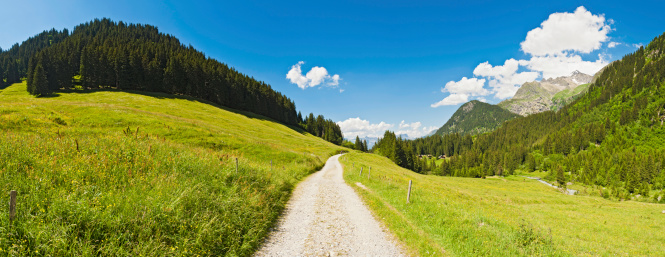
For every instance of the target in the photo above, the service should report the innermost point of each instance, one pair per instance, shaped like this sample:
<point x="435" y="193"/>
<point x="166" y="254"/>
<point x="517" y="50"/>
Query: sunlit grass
<point x="511" y="216"/>
<point x="127" y="174"/>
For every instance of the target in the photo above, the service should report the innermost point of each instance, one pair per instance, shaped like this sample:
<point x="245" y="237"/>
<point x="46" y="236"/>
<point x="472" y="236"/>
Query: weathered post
<point x="408" y="195"/>
<point x="270" y="164"/>
<point x="369" y="172"/>
<point x="236" y="165"/>
<point x="12" y="205"/>
<point x="361" y="171"/>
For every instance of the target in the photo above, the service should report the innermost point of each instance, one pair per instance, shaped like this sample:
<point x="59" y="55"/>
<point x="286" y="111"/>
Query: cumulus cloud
<point x="314" y="77"/>
<point x="504" y="79"/>
<point x="580" y="31"/>
<point x="413" y="130"/>
<point x="460" y="91"/>
<point x="563" y="65"/>
<point x="554" y="49"/>
<point x="353" y="127"/>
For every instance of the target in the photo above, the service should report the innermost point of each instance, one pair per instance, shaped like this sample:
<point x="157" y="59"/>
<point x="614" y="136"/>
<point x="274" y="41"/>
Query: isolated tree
<point x="560" y="177"/>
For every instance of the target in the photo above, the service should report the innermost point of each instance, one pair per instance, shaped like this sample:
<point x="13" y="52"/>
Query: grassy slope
<point x="165" y="187"/>
<point x="502" y="216"/>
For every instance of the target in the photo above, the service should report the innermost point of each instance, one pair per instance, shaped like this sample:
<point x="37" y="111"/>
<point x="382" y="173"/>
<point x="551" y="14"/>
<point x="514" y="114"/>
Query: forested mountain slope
<point x="613" y="136"/>
<point x="474" y="118"/>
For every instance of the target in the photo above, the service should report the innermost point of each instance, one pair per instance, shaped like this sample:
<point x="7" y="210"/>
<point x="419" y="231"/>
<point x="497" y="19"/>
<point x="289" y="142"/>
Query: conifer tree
<point x="39" y="80"/>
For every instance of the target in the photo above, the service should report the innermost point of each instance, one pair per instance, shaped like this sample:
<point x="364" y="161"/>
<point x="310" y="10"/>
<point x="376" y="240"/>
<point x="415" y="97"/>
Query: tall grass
<point x="511" y="216"/>
<point x="115" y="173"/>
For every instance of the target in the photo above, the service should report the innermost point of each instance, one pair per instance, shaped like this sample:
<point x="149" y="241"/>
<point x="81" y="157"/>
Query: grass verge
<point x="511" y="216"/>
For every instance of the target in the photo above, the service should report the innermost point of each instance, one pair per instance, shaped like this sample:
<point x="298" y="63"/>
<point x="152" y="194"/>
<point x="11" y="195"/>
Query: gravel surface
<point x="325" y="217"/>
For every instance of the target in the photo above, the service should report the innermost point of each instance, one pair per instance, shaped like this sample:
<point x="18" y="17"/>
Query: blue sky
<point x="397" y="62"/>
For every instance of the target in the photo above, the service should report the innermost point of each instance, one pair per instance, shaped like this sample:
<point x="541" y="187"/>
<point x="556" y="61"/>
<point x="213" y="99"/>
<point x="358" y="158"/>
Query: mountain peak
<point x="547" y="94"/>
<point x="475" y="117"/>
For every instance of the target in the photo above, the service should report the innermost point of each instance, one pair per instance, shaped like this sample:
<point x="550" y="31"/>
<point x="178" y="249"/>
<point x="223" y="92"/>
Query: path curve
<point x="325" y="217"/>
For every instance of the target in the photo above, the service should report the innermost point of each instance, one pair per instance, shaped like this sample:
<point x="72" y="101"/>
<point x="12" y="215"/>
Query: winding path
<point x="325" y="217"/>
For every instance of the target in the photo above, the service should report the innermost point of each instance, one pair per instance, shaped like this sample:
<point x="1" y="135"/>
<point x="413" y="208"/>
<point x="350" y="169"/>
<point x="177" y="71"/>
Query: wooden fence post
<point x="270" y="164"/>
<point x="369" y="172"/>
<point x="236" y="165"/>
<point x="408" y="195"/>
<point x="361" y="171"/>
<point x="12" y="205"/>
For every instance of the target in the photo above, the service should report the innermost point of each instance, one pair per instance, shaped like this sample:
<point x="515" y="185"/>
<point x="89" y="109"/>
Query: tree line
<point x="103" y="54"/>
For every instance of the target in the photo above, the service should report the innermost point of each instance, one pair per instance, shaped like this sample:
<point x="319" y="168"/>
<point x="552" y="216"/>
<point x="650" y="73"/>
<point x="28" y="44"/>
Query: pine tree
<point x="358" y="145"/>
<point x="40" y="81"/>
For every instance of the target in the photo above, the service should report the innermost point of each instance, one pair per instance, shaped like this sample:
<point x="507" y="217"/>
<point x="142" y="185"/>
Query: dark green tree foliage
<point x="360" y="145"/>
<point x="39" y="81"/>
<point x="124" y="56"/>
<point x="14" y="61"/>
<point x="476" y="117"/>
<point x="326" y="129"/>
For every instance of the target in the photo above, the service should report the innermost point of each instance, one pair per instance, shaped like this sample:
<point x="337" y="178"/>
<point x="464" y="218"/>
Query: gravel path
<point x="325" y="217"/>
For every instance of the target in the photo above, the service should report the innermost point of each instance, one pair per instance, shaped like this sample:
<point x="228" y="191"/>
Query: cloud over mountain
<point x="555" y="49"/>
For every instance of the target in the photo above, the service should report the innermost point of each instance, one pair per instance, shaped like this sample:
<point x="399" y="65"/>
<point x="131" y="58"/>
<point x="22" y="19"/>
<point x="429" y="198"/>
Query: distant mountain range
<point x="548" y="94"/>
<point x="476" y="117"/>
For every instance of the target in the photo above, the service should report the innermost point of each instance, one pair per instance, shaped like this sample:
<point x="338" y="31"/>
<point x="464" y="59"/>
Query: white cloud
<point x="580" y="31"/>
<point x="563" y="65"/>
<point x="472" y="86"/>
<point x="296" y="77"/>
<point x="638" y="45"/>
<point x="555" y="49"/>
<point x="504" y="79"/>
<point x="460" y="91"/>
<point x="341" y="90"/>
<point x="314" y="77"/>
<point x="353" y="127"/>
<point x="413" y="130"/>
<point x="452" y="99"/>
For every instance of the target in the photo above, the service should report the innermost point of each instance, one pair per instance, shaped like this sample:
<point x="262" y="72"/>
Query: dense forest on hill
<point x="476" y="117"/>
<point x="105" y="54"/>
<point x="613" y="136"/>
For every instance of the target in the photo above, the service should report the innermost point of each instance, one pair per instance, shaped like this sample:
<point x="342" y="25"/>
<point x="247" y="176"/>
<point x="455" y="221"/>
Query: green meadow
<point x="501" y="216"/>
<point x="143" y="174"/>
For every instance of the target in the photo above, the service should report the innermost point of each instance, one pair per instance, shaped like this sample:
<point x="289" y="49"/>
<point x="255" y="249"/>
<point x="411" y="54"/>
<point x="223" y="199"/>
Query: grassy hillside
<point x="564" y="97"/>
<point x="127" y="174"/>
<point x="510" y="216"/>
<point x="476" y="117"/>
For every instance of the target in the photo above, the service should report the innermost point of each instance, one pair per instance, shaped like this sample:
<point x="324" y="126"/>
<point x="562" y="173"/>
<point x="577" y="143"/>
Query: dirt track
<point x="325" y="217"/>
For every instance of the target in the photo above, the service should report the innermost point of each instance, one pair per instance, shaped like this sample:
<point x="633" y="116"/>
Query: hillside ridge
<point x="475" y="117"/>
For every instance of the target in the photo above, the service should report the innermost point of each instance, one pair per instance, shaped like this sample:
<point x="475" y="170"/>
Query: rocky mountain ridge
<point x="547" y="94"/>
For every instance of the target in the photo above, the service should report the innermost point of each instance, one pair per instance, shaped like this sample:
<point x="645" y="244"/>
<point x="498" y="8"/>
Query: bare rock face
<point x="548" y="94"/>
